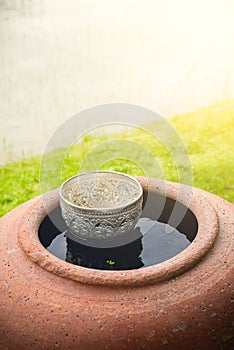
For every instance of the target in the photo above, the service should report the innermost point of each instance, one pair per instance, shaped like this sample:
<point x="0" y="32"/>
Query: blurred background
<point x="58" y="57"/>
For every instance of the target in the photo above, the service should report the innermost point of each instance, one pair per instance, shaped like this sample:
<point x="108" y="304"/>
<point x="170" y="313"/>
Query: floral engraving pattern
<point x="101" y="225"/>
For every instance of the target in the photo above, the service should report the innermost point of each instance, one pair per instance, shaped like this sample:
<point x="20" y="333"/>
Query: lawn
<point x="206" y="133"/>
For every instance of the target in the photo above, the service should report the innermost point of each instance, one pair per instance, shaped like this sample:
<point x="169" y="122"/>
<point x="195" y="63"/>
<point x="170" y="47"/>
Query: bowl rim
<point x="103" y="209"/>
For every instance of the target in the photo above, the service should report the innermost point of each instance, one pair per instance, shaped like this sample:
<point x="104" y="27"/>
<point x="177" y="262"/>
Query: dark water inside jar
<point x="157" y="241"/>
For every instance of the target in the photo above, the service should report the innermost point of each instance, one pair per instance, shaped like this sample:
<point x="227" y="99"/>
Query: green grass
<point x="206" y="133"/>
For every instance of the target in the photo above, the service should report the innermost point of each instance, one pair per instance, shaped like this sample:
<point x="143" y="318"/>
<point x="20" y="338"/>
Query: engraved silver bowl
<point x="101" y="204"/>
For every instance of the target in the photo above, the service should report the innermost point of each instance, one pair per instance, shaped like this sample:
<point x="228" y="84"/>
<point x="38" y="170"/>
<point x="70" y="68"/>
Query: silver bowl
<point x="101" y="204"/>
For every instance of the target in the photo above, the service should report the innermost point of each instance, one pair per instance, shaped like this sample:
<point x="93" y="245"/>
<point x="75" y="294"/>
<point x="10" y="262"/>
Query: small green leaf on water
<point x="110" y="262"/>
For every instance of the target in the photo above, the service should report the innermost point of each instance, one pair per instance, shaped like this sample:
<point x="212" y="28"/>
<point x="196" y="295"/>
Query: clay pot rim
<point x="185" y="260"/>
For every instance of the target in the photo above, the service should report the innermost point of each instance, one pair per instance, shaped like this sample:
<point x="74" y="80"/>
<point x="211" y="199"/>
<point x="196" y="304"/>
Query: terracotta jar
<point x="186" y="302"/>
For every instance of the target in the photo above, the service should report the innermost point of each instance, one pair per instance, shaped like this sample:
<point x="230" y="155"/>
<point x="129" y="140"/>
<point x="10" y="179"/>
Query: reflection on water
<point x="164" y="229"/>
<point x="58" y="57"/>
<point x="158" y="242"/>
